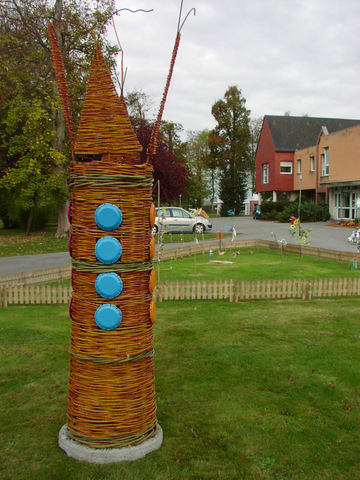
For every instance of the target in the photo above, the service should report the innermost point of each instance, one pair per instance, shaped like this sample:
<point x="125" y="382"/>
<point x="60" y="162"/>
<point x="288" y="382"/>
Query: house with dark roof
<point x="278" y="169"/>
<point x="329" y="171"/>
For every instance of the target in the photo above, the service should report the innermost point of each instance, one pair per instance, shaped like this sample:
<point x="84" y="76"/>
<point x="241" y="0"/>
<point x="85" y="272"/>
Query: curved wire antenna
<point x="133" y="11"/>
<point x="187" y="15"/>
<point x="127" y="10"/>
<point x="151" y="150"/>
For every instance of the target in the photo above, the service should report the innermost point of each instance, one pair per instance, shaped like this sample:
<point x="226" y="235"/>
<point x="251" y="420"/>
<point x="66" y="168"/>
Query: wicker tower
<point x="111" y="406"/>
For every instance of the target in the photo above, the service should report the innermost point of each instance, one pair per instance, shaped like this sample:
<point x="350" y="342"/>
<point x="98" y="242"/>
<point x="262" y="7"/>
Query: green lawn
<point x="14" y="242"/>
<point x="265" y="390"/>
<point x="250" y="264"/>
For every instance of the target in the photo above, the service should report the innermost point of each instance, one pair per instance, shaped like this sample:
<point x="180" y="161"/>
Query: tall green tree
<point x="197" y="155"/>
<point x="24" y="41"/>
<point x="230" y="145"/>
<point x="34" y="174"/>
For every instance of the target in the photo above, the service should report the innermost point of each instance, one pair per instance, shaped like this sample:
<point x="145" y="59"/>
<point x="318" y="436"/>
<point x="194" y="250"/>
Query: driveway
<point x="323" y="235"/>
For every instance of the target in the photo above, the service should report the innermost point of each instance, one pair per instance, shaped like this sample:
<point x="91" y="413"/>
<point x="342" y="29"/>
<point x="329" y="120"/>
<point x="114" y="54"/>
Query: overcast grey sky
<point x="300" y="56"/>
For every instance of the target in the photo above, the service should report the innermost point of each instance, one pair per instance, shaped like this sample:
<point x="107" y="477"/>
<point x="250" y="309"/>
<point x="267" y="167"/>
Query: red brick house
<point x="280" y="138"/>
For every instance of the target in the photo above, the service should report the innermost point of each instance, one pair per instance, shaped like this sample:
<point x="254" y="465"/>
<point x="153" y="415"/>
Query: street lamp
<point x="300" y="178"/>
<point x="180" y="200"/>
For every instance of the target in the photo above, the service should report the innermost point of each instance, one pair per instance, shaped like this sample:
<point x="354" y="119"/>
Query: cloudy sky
<point x="297" y="56"/>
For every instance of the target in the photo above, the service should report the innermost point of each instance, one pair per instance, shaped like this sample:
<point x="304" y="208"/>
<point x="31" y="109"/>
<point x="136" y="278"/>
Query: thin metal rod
<point x="180" y="13"/>
<point x="192" y="10"/>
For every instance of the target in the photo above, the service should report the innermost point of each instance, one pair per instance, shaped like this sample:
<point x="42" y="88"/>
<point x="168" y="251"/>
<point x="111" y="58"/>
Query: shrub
<point x="290" y="211"/>
<point x="309" y="212"/>
<point x="276" y="206"/>
<point x="16" y="216"/>
<point x="271" y="210"/>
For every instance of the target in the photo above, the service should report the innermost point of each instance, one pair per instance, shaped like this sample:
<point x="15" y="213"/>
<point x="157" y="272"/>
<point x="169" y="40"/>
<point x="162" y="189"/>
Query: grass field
<point x="265" y="390"/>
<point x="14" y="242"/>
<point x="251" y="264"/>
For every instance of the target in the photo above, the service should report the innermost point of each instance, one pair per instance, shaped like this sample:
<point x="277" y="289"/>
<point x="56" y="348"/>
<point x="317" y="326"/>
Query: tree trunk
<point x="63" y="225"/>
<point x="29" y="221"/>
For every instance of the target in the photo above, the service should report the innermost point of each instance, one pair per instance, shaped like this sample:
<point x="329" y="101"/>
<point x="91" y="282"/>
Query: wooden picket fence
<point x="256" y="290"/>
<point x="35" y="295"/>
<point x="199" y="290"/>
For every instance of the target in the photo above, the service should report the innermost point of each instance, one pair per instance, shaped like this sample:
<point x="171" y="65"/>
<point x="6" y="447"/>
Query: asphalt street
<point x="324" y="234"/>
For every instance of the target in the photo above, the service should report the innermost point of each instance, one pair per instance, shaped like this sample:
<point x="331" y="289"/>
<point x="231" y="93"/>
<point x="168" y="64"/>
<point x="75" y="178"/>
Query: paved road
<point x="322" y="235"/>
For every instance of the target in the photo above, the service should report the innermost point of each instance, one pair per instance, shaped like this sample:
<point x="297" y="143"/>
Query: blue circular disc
<point x="108" y="317"/>
<point x="108" y="285"/>
<point x="108" y="216"/>
<point x="108" y="250"/>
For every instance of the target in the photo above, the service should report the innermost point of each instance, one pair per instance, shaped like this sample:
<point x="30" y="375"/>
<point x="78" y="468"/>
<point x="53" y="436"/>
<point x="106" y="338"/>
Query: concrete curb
<point x="108" y="455"/>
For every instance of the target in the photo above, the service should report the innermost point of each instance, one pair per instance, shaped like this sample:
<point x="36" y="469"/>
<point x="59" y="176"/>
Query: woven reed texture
<point x="111" y="387"/>
<point x="133" y="336"/>
<point x="129" y="187"/>
<point x="92" y="408"/>
<point x="104" y="126"/>
<point x="83" y="283"/>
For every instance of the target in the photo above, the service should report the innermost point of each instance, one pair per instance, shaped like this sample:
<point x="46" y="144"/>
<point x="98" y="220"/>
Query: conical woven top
<point x="105" y="125"/>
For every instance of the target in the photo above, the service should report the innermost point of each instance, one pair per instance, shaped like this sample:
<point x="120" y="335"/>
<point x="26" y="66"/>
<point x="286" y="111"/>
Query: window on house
<point x="265" y="173"/>
<point x="312" y="164"/>
<point x="299" y="166"/>
<point x="325" y="163"/>
<point x="286" y="168"/>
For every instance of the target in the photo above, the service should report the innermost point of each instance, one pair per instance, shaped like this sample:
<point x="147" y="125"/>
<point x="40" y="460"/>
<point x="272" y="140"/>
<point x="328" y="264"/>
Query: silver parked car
<point x="178" y="220"/>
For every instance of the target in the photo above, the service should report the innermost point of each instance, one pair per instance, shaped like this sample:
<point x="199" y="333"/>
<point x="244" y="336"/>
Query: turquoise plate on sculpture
<point x="108" y="216"/>
<point x="108" y="317"/>
<point x="108" y="285"/>
<point x="108" y="250"/>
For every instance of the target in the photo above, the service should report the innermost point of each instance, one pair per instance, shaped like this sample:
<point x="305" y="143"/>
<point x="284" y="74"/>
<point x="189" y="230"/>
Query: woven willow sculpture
<point x="111" y="401"/>
<point x="111" y="387"/>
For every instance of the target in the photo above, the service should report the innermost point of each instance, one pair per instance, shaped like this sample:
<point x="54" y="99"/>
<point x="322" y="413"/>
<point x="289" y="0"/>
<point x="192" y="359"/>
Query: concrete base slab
<point x="108" y="455"/>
